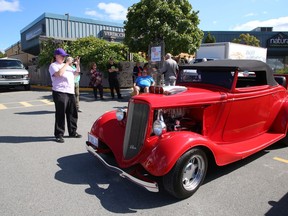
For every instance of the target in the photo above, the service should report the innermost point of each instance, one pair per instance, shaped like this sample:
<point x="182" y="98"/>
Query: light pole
<point x="68" y="17"/>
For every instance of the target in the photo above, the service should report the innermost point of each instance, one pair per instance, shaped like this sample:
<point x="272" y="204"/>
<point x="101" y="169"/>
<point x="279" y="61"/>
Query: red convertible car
<point x="219" y="112"/>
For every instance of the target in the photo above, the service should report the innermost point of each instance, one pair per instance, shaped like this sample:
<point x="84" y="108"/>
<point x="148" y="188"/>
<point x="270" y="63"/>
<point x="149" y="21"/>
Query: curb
<point x="83" y="89"/>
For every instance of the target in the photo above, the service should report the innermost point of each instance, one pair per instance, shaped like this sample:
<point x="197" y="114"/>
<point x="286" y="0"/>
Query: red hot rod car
<point x="220" y="111"/>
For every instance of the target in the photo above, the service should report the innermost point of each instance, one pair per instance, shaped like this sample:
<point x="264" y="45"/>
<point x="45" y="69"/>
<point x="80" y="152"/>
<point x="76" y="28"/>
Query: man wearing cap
<point x="63" y="90"/>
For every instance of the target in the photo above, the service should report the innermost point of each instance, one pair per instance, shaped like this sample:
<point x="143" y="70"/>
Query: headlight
<point x="120" y="114"/>
<point x="159" y="127"/>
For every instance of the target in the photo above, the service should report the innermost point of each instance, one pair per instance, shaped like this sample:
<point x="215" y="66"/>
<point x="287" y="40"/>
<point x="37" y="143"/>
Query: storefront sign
<point x="156" y="53"/>
<point x="34" y="33"/>
<point x="112" y="34"/>
<point x="278" y="41"/>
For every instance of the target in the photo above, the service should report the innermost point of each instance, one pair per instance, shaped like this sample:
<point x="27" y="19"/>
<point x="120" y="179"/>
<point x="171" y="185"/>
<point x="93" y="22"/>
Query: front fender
<point x="110" y="131"/>
<point x="168" y="149"/>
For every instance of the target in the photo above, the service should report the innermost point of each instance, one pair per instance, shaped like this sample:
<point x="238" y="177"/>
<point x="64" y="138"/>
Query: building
<point x="275" y="42"/>
<point x="15" y="51"/>
<point x="61" y="28"/>
<point x="66" y="27"/>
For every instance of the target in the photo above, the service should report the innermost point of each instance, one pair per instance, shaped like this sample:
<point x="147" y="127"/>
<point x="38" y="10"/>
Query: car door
<point x="248" y="114"/>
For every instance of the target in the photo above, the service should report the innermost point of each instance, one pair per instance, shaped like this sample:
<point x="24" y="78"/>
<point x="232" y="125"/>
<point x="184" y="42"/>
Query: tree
<point x="247" y="39"/>
<point x="90" y="49"/>
<point x="209" y="38"/>
<point x="2" y="55"/>
<point x="155" y="21"/>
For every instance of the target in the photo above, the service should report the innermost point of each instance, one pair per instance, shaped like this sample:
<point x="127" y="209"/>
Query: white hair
<point x="68" y="58"/>
<point x="168" y="56"/>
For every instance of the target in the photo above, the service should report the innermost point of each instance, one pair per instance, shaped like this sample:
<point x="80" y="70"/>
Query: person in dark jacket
<point x="113" y="70"/>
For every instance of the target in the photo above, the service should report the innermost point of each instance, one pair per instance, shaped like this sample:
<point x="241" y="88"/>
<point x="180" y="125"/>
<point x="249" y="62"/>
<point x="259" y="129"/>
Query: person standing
<point x="76" y="83"/>
<point x="96" y="81"/>
<point x="170" y="69"/>
<point x="63" y="90"/>
<point x="113" y="70"/>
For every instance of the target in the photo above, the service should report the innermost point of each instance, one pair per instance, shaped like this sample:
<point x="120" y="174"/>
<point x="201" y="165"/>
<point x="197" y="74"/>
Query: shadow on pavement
<point x="24" y="139"/>
<point x="42" y="112"/>
<point x="278" y="208"/>
<point x="116" y="194"/>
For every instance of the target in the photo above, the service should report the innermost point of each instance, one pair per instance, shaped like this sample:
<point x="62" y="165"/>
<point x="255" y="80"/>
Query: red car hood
<point x="185" y="96"/>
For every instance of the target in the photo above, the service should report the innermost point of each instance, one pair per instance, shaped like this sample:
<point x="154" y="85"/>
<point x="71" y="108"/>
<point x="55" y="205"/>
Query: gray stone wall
<point x="41" y="76"/>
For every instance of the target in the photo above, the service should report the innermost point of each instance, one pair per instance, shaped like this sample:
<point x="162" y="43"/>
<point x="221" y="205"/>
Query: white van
<point x="13" y="73"/>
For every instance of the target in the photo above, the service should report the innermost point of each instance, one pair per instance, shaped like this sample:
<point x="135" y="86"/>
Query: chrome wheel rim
<point x="193" y="172"/>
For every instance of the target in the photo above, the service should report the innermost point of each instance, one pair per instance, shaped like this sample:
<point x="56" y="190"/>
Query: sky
<point x="221" y="15"/>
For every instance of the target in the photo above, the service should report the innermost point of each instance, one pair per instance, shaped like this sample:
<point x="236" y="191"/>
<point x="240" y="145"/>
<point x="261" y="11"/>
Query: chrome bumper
<point x="150" y="186"/>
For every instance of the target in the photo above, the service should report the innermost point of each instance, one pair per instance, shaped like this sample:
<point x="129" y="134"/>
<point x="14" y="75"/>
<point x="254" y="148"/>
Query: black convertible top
<point x="236" y="64"/>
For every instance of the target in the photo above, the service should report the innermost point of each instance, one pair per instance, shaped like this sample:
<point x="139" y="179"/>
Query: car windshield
<point x="217" y="77"/>
<point x="10" y="64"/>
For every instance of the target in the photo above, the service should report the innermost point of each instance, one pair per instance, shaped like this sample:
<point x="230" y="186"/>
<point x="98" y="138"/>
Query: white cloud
<point x="9" y="6"/>
<point x="113" y="10"/>
<point x="278" y="24"/>
<point x="93" y="13"/>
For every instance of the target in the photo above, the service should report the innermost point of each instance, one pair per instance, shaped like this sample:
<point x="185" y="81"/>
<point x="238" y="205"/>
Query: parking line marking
<point x="2" y="107"/>
<point x="281" y="160"/>
<point x="47" y="101"/>
<point x="26" y="104"/>
<point x="31" y="103"/>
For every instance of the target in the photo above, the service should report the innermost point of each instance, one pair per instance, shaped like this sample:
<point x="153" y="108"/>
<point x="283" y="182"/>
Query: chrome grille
<point x="135" y="129"/>
<point x="13" y="76"/>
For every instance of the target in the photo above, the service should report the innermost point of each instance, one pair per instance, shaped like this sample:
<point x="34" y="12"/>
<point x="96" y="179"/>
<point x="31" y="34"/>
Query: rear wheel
<point x="187" y="174"/>
<point x="285" y="140"/>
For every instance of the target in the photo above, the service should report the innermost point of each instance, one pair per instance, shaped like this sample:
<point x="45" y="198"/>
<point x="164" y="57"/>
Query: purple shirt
<point x="63" y="83"/>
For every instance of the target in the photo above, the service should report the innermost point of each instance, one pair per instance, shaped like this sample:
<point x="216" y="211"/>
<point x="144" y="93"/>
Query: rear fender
<point x="169" y="148"/>
<point x="280" y="123"/>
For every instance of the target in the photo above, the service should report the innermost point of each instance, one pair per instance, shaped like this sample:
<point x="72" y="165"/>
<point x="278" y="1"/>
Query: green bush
<point x="90" y="49"/>
<point x="282" y="71"/>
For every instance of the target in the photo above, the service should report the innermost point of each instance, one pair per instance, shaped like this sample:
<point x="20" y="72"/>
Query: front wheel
<point x="187" y="175"/>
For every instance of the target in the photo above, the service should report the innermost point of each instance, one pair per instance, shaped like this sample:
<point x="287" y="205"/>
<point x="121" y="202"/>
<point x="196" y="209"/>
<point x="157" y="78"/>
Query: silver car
<point x="13" y="73"/>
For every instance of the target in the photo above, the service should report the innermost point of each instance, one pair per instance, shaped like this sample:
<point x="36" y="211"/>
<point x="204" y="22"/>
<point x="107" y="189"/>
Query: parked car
<point x="173" y="133"/>
<point x="13" y="73"/>
<point x="197" y="60"/>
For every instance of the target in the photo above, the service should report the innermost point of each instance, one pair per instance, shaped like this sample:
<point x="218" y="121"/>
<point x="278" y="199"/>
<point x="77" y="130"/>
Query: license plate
<point x="93" y="140"/>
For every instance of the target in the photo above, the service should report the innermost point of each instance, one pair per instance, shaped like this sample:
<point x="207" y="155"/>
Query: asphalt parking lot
<point x="42" y="177"/>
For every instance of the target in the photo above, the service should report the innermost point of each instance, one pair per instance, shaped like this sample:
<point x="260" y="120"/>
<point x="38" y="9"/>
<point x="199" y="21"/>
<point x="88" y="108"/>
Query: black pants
<point x="65" y="106"/>
<point x="95" y="91"/>
<point x="114" y="84"/>
<point x="77" y="94"/>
